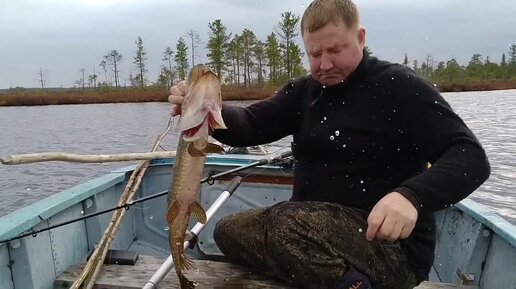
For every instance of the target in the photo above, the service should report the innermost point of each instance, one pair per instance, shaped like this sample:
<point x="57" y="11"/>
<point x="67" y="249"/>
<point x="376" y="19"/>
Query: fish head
<point x="202" y="105"/>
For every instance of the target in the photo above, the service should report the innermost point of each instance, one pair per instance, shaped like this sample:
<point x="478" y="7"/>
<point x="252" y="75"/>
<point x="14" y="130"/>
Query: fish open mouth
<point x="209" y="120"/>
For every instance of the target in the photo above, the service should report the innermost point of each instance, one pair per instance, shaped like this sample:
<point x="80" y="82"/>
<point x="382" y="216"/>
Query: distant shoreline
<point x="32" y="97"/>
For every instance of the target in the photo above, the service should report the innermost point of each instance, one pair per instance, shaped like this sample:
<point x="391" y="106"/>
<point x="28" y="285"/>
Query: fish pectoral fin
<point x="198" y="212"/>
<point x="214" y="148"/>
<point x="193" y="151"/>
<point x="173" y="211"/>
<point x="187" y="263"/>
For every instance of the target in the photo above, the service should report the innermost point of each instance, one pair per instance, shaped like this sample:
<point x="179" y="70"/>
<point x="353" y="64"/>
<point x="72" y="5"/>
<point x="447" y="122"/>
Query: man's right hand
<point x="177" y="94"/>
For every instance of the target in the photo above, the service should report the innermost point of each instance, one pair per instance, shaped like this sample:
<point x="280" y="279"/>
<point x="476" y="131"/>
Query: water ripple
<point x="121" y="128"/>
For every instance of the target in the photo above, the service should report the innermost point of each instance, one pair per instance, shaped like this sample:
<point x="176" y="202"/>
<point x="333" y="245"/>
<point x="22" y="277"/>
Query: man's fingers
<point x="182" y="86"/>
<point x="407" y="230"/>
<point x="175" y="99"/>
<point x="396" y="232"/>
<point x="176" y="92"/>
<point x="374" y="222"/>
<point x="386" y="229"/>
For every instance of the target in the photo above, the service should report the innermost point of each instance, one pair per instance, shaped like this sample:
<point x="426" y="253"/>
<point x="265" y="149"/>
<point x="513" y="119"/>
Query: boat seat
<point x="437" y="285"/>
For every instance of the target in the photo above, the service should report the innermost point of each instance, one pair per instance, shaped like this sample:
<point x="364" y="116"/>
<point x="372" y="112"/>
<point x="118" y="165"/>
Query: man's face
<point x="334" y="51"/>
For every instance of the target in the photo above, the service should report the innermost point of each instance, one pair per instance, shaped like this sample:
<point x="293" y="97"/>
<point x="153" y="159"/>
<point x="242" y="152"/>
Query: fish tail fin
<point x="198" y="212"/>
<point x="173" y="211"/>
<point x="185" y="283"/>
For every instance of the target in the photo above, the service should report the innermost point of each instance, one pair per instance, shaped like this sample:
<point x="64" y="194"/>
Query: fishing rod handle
<point x="237" y="180"/>
<point x="276" y="157"/>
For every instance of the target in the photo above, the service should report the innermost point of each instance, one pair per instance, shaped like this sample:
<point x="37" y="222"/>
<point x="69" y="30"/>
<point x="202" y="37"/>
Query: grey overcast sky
<point x="63" y="36"/>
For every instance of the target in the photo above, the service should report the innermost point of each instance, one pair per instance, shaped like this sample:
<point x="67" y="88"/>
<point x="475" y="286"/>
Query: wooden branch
<point x="78" y="158"/>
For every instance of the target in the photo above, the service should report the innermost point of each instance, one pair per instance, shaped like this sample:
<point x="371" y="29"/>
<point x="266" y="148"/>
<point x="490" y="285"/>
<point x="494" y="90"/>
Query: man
<point x="361" y="212"/>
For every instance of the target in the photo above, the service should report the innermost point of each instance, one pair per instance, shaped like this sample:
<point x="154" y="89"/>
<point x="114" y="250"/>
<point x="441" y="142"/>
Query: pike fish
<point x="200" y="115"/>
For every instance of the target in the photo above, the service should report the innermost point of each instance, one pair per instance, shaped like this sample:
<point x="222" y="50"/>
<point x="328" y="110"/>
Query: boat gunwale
<point x="483" y="214"/>
<point x="24" y="219"/>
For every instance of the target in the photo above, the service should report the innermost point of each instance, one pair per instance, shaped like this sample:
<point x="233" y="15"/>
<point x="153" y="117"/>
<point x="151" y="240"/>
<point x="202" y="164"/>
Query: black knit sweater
<point x="370" y="135"/>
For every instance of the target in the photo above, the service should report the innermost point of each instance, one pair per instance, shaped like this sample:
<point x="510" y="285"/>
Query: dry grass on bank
<point x="26" y="98"/>
<point x="38" y="97"/>
<point x="477" y="85"/>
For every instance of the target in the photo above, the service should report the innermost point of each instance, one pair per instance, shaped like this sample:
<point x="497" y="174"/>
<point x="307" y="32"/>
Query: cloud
<point x="64" y="36"/>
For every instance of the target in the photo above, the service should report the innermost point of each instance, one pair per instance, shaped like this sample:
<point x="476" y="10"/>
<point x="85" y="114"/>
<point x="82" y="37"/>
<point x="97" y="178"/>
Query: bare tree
<point x="168" y="57"/>
<point x="103" y="65"/>
<point x="82" y="70"/>
<point x="113" y="59"/>
<point x="195" y="41"/>
<point x="93" y="77"/>
<point x="42" y="77"/>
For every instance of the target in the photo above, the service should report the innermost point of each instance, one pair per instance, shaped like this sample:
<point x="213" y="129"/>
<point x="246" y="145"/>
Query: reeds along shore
<point x="154" y="94"/>
<point x="112" y="95"/>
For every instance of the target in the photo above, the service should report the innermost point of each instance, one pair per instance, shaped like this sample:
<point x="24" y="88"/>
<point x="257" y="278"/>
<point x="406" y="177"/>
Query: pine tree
<point x="273" y="58"/>
<point x="139" y="61"/>
<point x="405" y="60"/>
<point x="217" y="44"/>
<point x="181" y="58"/>
<point x="287" y="31"/>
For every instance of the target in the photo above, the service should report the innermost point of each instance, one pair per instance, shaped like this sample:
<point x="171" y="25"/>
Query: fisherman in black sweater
<point x="364" y="131"/>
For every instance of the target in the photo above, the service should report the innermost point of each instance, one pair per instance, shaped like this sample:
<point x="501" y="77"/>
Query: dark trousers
<point x="311" y="245"/>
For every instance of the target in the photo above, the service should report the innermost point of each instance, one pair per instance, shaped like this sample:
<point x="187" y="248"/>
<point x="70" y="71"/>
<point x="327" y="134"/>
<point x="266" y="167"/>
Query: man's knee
<point x="284" y="224"/>
<point x="223" y="234"/>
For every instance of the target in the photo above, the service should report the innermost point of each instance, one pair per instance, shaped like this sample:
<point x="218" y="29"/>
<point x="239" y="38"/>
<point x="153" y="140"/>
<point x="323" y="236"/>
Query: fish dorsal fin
<point x="198" y="212"/>
<point x="214" y="148"/>
<point x="173" y="211"/>
<point x="193" y="151"/>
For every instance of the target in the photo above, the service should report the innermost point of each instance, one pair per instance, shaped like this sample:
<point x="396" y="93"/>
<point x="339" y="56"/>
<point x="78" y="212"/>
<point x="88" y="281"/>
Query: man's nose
<point x="326" y="61"/>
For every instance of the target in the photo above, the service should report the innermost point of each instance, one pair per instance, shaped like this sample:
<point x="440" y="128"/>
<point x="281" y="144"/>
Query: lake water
<point x="122" y="128"/>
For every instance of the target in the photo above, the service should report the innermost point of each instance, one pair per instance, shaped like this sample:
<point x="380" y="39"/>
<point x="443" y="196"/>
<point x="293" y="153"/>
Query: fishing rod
<point x="209" y="179"/>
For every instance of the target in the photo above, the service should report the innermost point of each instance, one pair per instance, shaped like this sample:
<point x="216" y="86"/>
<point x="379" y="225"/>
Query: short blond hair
<point x="322" y="12"/>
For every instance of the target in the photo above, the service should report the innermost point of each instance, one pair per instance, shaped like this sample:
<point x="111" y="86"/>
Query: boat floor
<point x="434" y="285"/>
<point x="207" y="274"/>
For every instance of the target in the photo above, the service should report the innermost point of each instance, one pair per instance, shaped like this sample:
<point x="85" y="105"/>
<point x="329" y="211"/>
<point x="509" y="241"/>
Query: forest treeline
<point x="243" y="60"/>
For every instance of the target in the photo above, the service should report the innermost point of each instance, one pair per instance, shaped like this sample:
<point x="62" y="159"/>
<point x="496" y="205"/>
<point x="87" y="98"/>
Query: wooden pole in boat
<point x="79" y="158"/>
<point x="92" y="268"/>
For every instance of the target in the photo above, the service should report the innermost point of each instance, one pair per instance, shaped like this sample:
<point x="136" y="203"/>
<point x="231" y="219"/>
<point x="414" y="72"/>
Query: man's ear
<point x="361" y="33"/>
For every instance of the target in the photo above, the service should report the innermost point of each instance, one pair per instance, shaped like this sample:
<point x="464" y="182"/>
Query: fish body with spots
<point x="200" y="115"/>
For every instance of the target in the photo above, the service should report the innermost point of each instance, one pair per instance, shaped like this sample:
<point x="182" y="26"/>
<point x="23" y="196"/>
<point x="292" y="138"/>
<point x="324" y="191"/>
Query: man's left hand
<point x="392" y="218"/>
